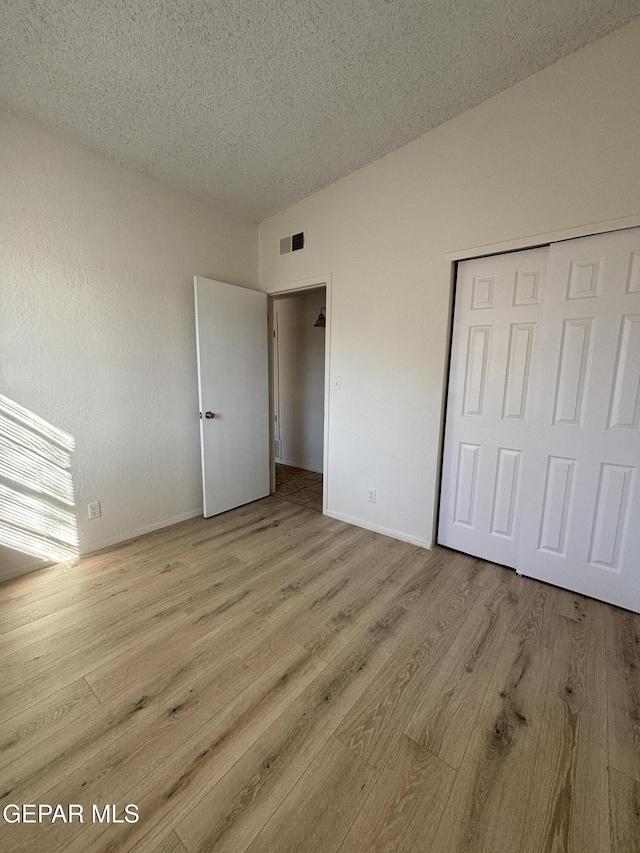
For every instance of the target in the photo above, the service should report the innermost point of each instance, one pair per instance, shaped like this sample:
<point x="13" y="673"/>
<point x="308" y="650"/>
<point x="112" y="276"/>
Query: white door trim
<point x="300" y="287"/>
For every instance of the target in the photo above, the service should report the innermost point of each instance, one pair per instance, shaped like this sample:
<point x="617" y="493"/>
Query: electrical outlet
<point x="336" y="383"/>
<point x="94" y="510"/>
<point x="372" y="496"/>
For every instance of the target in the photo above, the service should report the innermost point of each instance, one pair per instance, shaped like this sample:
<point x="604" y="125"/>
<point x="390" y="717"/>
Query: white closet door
<point x="488" y="438"/>
<point x="581" y="506"/>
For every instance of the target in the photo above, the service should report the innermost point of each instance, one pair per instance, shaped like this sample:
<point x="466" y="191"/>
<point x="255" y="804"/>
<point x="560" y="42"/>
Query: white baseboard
<point x="386" y="531"/>
<point x="134" y="534"/>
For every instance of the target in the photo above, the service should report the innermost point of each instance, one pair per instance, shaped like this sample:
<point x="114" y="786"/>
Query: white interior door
<point x="233" y="387"/>
<point x="582" y="501"/>
<point x="488" y="410"/>
<point x="542" y="441"/>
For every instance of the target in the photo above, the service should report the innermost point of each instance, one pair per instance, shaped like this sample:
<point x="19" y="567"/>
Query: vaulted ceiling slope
<point x="259" y="103"/>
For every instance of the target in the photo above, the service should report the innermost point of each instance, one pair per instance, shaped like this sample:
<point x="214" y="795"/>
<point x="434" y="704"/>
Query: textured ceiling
<point x="258" y="104"/>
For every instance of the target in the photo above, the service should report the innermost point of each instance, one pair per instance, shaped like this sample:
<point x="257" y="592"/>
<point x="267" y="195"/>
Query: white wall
<point x="301" y="379"/>
<point x="96" y="322"/>
<point x="558" y="151"/>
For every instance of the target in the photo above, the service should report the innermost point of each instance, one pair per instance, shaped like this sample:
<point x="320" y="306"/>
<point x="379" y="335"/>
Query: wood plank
<point x="304" y="579"/>
<point x="133" y="607"/>
<point x="474" y="569"/>
<point x="41" y="681"/>
<point x="376" y="723"/>
<point x="344" y="544"/>
<point x="167" y="697"/>
<point x="298" y="624"/>
<point x="138" y="697"/>
<point x="402" y="812"/>
<point x="624" y="799"/>
<point x="169" y="844"/>
<point x="194" y="765"/>
<point x="318" y="810"/>
<point x="174" y="583"/>
<point x="138" y="736"/>
<point x="415" y="593"/>
<point x="233" y="812"/>
<point x="360" y="608"/>
<point x="535" y="616"/>
<point x="356" y="638"/>
<point x="140" y="570"/>
<point x="445" y="717"/>
<point x="129" y="569"/>
<point x="121" y="576"/>
<point x="568" y="806"/>
<point x="41" y="721"/>
<point x="623" y="690"/>
<point x="34" y="585"/>
<point x="98" y="648"/>
<point x="265" y="576"/>
<point x="573" y="606"/>
<point x="211" y="636"/>
<point x="267" y="540"/>
<point x="310" y="577"/>
<point x="486" y="809"/>
<point x="212" y="535"/>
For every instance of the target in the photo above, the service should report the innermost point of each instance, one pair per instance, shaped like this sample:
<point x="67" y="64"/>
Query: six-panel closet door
<point x="542" y="438"/>
<point x="488" y="429"/>
<point x="582" y="502"/>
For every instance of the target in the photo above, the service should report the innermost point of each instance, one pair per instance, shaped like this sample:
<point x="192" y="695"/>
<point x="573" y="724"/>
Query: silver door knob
<point x="210" y="415"/>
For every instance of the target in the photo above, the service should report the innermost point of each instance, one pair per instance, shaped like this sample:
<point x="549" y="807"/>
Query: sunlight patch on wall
<point x="33" y="422"/>
<point x="36" y="488"/>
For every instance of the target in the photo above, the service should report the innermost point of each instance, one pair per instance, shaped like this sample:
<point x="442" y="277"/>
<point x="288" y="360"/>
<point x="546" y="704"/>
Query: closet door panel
<point x="582" y="501"/>
<point x="493" y="360"/>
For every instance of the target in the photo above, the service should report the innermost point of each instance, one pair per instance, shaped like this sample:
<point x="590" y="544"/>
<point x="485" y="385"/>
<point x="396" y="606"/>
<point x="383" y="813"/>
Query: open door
<point x="233" y="390"/>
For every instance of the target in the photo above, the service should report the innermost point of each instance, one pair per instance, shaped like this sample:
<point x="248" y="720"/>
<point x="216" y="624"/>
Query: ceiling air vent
<point x="292" y="244"/>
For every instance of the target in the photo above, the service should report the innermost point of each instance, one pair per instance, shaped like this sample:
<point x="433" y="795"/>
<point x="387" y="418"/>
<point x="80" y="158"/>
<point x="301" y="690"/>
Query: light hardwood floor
<point x="274" y="680"/>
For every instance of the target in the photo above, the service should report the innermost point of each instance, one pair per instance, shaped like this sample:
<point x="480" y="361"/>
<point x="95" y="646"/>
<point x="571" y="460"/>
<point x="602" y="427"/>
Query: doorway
<point x="298" y="383"/>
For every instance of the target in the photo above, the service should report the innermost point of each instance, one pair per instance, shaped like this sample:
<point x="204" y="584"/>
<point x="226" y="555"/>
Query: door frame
<point x="288" y="289"/>
<point x="517" y="244"/>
